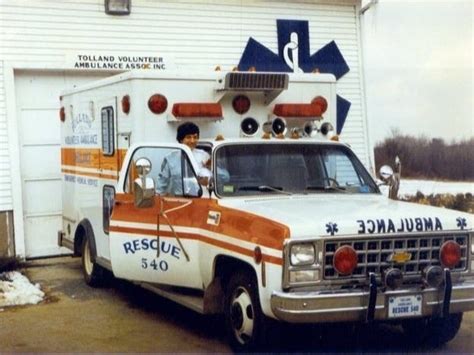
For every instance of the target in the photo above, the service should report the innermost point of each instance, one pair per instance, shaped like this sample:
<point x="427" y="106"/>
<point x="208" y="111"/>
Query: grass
<point x="460" y="202"/>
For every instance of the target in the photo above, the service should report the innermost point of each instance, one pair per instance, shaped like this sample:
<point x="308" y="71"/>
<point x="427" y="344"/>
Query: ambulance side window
<point x="108" y="197"/>
<point x="107" y="117"/>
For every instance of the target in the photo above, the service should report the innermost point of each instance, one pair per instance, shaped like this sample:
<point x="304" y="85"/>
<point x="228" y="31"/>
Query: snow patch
<point x="16" y="289"/>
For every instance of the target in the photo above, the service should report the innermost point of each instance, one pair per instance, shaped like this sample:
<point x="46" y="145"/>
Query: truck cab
<point x="291" y="229"/>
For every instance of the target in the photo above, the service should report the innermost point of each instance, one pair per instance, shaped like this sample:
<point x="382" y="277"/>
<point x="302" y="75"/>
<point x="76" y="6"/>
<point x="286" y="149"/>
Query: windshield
<point x="257" y="169"/>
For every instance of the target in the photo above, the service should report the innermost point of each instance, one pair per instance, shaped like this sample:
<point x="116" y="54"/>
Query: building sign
<point x="104" y="61"/>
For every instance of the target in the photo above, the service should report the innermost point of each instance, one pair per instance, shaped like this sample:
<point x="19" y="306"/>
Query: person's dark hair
<point x="186" y="128"/>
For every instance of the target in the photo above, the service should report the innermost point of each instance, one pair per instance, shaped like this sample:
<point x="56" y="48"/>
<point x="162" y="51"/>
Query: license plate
<point x="404" y="306"/>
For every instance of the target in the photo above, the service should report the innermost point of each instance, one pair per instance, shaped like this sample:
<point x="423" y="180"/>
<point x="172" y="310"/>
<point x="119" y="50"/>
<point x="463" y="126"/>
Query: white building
<point x="48" y="46"/>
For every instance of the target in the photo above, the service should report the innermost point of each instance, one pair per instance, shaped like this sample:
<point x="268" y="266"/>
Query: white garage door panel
<point x="37" y="97"/>
<point x="39" y="239"/>
<point x="43" y="197"/>
<point x="41" y="161"/>
<point x="45" y="123"/>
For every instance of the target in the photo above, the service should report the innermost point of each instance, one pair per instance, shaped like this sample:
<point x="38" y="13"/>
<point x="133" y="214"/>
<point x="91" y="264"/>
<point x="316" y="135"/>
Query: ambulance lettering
<point x="371" y="226"/>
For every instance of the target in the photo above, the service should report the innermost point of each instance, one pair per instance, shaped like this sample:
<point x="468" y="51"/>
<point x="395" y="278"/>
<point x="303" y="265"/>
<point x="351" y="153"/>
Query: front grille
<point x="256" y="81"/>
<point x="373" y="255"/>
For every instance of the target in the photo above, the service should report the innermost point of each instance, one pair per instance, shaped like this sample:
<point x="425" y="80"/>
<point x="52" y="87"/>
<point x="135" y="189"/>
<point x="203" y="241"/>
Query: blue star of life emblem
<point x="294" y="56"/>
<point x="461" y="223"/>
<point x="331" y="228"/>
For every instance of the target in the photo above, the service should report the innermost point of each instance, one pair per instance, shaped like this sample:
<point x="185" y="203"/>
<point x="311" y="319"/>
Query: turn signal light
<point x="450" y="254"/>
<point x="157" y="103"/>
<point x="345" y="260"/>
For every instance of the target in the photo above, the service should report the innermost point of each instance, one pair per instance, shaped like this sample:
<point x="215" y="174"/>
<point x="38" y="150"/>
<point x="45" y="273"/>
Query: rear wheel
<point x="94" y="274"/>
<point x="433" y="331"/>
<point x="245" y="321"/>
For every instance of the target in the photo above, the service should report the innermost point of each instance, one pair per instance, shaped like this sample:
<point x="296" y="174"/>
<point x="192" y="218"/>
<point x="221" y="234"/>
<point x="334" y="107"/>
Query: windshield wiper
<point x="265" y="188"/>
<point x="327" y="188"/>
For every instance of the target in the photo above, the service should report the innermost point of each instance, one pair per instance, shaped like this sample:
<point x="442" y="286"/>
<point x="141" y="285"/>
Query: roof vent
<point x="270" y="84"/>
<point x="243" y="81"/>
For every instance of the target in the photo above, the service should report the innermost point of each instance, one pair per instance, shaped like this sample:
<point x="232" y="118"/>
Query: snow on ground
<point x="16" y="289"/>
<point x="428" y="187"/>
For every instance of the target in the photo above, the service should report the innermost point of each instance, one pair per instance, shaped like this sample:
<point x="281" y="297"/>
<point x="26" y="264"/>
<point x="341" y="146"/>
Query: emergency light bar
<point x="197" y="110"/>
<point x="313" y="110"/>
<point x="297" y="110"/>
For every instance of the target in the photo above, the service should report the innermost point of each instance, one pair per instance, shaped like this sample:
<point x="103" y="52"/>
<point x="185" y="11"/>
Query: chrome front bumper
<point x="314" y="307"/>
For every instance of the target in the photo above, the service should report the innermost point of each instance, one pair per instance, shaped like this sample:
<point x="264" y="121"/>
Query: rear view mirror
<point x="144" y="187"/>
<point x="385" y="173"/>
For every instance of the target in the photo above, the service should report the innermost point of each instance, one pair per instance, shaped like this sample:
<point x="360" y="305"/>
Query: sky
<point x="418" y="61"/>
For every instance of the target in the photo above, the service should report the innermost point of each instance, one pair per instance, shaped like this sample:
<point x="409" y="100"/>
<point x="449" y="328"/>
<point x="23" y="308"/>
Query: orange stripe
<point x="235" y="223"/>
<point x="92" y="158"/>
<point x="96" y="175"/>
<point x="199" y="237"/>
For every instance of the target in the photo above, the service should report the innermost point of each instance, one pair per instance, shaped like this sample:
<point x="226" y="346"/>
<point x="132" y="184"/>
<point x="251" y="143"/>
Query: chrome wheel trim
<point x="242" y="315"/>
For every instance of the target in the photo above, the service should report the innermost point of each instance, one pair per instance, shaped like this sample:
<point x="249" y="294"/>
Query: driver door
<point x="149" y="242"/>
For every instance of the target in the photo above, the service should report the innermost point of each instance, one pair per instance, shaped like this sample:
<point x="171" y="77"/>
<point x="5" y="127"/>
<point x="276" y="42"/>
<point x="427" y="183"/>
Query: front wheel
<point x="94" y="275"/>
<point x="433" y="331"/>
<point x="244" y="319"/>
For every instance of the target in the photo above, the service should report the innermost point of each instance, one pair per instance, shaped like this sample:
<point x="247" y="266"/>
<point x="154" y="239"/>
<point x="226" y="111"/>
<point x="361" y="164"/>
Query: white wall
<point x="191" y="34"/>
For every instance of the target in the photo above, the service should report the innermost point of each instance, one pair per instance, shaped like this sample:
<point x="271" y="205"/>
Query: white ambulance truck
<point x="291" y="225"/>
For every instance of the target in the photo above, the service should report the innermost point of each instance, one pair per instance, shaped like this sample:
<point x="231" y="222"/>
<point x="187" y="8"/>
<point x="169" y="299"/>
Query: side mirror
<point x="386" y="173"/>
<point x="144" y="187"/>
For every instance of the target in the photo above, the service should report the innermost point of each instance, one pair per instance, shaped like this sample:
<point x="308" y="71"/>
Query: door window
<point x="170" y="170"/>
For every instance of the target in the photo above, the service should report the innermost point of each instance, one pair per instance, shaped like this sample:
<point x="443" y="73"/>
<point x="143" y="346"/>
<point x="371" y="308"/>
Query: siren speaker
<point x="326" y="127"/>
<point x="249" y="126"/>
<point x="309" y="128"/>
<point x="278" y="126"/>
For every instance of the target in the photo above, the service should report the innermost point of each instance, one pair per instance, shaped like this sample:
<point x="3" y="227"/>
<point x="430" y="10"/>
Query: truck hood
<point x="338" y="215"/>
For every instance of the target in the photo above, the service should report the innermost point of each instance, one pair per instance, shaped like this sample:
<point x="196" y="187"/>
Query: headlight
<point x="302" y="254"/>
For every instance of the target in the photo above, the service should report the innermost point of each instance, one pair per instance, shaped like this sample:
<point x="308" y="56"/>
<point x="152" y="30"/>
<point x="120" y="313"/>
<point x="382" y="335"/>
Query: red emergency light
<point x="297" y="110"/>
<point x="126" y="104"/>
<point x="62" y="114"/>
<point x="241" y="104"/>
<point x="157" y="103"/>
<point x="196" y="110"/>
<point x="315" y="109"/>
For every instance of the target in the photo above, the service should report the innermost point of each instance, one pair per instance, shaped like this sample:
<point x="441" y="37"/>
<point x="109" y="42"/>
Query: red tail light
<point x="450" y="254"/>
<point x="241" y="104"/>
<point x="62" y="114"/>
<point x="345" y="260"/>
<point x="126" y="104"/>
<point x="212" y="110"/>
<point x="157" y="104"/>
<point x="321" y="103"/>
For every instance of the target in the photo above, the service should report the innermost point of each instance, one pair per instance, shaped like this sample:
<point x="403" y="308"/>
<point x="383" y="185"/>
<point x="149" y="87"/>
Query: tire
<point x="245" y="322"/>
<point x="433" y="331"/>
<point x="94" y="275"/>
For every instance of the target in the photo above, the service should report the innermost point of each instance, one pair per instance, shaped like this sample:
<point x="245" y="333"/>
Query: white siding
<point x="194" y="34"/>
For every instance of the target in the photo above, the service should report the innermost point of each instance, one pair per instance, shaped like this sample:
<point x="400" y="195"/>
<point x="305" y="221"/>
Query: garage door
<point x="37" y="100"/>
